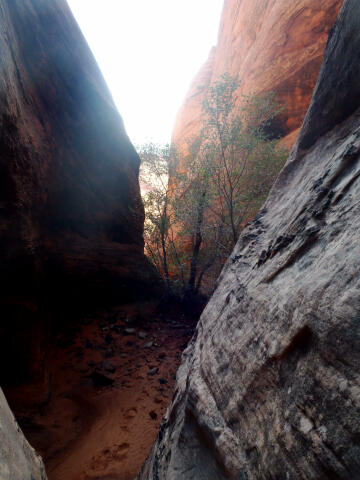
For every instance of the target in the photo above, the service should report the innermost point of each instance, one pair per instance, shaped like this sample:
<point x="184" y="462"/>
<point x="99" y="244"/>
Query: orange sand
<point x="88" y="433"/>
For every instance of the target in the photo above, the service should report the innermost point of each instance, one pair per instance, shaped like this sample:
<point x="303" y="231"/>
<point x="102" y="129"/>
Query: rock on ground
<point x="269" y="388"/>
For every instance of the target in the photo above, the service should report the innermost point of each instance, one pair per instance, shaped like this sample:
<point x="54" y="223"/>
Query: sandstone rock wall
<point x="70" y="210"/>
<point x="272" y="45"/>
<point x="18" y="461"/>
<point x="71" y="217"/>
<point x="269" y="386"/>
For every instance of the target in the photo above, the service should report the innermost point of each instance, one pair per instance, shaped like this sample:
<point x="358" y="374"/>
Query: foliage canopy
<point x="198" y="201"/>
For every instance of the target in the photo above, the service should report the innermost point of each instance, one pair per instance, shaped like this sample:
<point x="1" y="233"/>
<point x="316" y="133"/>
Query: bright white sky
<point x="149" y="51"/>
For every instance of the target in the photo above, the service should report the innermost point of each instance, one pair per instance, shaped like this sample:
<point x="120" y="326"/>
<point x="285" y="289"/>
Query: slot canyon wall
<point x="269" y="386"/>
<point x="70" y="206"/>
<point x="71" y="217"/>
<point x="272" y="45"/>
<point x="18" y="460"/>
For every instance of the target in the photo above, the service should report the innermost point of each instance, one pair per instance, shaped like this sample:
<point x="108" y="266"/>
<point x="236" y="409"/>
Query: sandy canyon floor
<point x="112" y="379"/>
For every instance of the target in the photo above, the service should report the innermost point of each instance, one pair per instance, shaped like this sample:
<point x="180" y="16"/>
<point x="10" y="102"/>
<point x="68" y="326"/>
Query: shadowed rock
<point x="71" y="217"/>
<point x="269" y="386"/>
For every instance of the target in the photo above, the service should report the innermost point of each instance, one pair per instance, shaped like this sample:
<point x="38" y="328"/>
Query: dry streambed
<point x="111" y="382"/>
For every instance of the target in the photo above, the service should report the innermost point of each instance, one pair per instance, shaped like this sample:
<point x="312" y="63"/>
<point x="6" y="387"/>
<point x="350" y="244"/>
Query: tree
<point x="154" y="179"/>
<point x="194" y="220"/>
<point x="244" y="159"/>
<point x="191" y="199"/>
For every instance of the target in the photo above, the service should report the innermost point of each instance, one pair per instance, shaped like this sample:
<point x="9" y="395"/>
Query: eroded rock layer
<point x="269" y="387"/>
<point x="18" y="461"/>
<point x="272" y="45"/>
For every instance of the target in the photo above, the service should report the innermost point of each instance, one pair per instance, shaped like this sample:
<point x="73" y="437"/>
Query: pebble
<point x="109" y="366"/>
<point x="153" y="415"/>
<point x="153" y="371"/>
<point x="100" y="380"/>
<point x="129" y="330"/>
<point x="142" y="335"/>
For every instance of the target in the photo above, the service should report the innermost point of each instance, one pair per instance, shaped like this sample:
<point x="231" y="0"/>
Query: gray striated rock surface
<point x="18" y="461"/>
<point x="269" y="388"/>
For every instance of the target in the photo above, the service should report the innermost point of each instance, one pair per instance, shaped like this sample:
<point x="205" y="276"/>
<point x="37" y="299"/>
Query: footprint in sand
<point x="121" y="449"/>
<point x="130" y="413"/>
<point x="109" y="455"/>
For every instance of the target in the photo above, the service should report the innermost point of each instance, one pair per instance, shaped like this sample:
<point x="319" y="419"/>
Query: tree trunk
<point x="198" y="241"/>
<point x="163" y="245"/>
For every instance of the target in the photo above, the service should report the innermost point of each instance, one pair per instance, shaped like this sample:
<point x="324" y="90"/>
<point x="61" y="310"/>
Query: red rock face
<point x="70" y="200"/>
<point x="71" y="217"/>
<point x="272" y="45"/>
